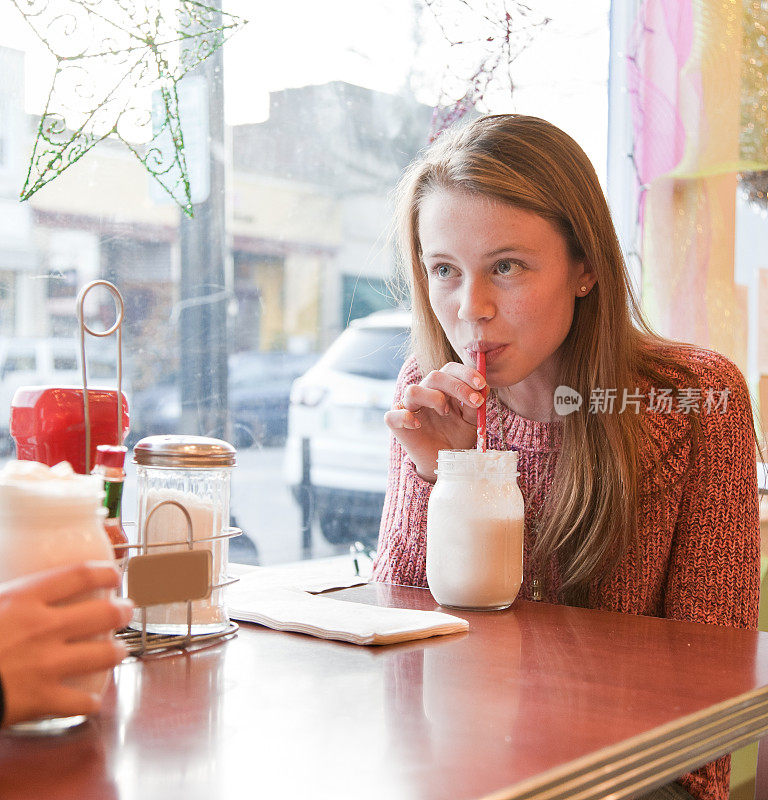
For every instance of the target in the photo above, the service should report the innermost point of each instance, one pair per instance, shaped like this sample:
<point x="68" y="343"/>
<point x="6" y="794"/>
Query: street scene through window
<point x="269" y="318"/>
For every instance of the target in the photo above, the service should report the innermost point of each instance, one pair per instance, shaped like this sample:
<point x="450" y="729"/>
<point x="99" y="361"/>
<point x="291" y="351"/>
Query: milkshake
<point x="475" y="522"/>
<point x="52" y="517"/>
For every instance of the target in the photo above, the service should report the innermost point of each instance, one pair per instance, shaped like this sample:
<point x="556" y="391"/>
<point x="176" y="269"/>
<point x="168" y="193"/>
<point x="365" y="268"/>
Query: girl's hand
<point x="440" y="413"/>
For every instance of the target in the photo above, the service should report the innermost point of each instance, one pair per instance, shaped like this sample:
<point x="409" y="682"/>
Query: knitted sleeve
<point x="714" y="572"/>
<point x="714" y="568"/>
<point x="401" y="552"/>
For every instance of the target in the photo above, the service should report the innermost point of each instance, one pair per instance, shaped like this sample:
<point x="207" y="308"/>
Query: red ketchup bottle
<point x="110" y="461"/>
<point x="48" y="423"/>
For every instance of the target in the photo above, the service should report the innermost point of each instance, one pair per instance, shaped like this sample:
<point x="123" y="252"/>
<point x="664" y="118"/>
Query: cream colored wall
<point x="303" y="278"/>
<point x="265" y="208"/>
<point x="111" y="184"/>
<point x="108" y="183"/>
<point x="311" y="229"/>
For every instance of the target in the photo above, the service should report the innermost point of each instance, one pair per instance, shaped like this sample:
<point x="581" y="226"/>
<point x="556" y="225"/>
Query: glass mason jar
<point x="51" y="517"/>
<point x="475" y="521"/>
<point x="193" y="471"/>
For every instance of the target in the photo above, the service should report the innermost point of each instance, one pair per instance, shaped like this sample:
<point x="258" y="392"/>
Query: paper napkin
<point x="358" y="623"/>
<point x="318" y="575"/>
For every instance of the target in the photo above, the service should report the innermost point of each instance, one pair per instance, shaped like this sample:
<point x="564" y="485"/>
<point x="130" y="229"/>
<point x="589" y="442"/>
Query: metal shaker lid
<point x="183" y="451"/>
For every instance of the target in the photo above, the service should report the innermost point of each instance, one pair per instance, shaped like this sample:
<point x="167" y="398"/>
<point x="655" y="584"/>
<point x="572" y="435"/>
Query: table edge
<point x="653" y="758"/>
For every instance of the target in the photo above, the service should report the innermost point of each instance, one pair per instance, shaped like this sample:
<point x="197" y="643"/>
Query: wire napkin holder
<point x="182" y="572"/>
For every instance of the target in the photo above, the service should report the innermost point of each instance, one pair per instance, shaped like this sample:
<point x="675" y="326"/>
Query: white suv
<point x="338" y="445"/>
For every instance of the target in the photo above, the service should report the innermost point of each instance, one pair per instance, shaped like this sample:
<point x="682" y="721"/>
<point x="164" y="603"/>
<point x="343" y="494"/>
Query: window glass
<point x="240" y="321"/>
<point x="4" y="116"/>
<point x="99" y="369"/>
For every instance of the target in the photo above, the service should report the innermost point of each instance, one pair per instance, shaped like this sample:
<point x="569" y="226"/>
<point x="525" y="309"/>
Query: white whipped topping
<point x="490" y="462"/>
<point x="28" y="479"/>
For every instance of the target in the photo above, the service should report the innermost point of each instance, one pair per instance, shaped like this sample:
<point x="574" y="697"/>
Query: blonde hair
<point x="589" y="518"/>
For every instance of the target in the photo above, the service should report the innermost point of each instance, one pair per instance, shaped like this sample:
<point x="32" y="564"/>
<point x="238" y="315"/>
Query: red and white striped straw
<point x="482" y="442"/>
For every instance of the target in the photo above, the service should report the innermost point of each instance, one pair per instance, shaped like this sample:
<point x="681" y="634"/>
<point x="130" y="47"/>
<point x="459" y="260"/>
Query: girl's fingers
<point x="451" y="385"/>
<point x="65" y="701"/>
<point x="420" y="396"/>
<point x="456" y="387"/>
<point x="469" y="375"/>
<point x="401" y="418"/>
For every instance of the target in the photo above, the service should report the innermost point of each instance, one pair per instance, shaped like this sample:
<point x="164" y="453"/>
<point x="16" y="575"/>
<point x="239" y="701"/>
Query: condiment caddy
<point x="176" y="572"/>
<point x="183" y="531"/>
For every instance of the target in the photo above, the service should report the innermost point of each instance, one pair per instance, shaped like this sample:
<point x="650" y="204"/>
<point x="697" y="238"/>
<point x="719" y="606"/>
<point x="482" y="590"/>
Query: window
<point x="262" y="304"/>
<point x="20" y="362"/>
<point x="364" y="295"/>
<point x="5" y="124"/>
<point x="61" y="363"/>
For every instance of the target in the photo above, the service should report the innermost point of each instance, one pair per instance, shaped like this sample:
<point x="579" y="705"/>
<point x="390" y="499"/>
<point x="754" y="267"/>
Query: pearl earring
<point x="583" y="289"/>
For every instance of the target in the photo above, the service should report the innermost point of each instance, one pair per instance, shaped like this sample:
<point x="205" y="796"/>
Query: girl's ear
<point x="585" y="279"/>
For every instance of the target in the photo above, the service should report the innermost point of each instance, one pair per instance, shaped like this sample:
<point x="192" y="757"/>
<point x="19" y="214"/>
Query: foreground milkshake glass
<point x="52" y="517"/>
<point x="475" y="521"/>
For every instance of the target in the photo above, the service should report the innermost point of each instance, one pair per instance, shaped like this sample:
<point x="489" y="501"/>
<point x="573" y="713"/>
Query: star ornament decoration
<point x="115" y="59"/>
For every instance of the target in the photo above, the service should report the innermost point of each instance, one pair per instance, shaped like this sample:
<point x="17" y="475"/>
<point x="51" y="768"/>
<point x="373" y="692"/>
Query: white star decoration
<point x="110" y="56"/>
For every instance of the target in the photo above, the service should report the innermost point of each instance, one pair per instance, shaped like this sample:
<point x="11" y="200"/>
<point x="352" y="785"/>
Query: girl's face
<point x="501" y="280"/>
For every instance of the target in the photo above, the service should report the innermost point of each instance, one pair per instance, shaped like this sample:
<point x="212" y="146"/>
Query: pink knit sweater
<point x="698" y="554"/>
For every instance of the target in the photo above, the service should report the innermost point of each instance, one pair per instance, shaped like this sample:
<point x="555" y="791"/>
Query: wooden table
<point x="539" y="701"/>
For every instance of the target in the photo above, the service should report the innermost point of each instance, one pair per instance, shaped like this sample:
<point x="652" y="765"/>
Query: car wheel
<point x="336" y="528"/>
<point x="242" y="549"/>
<point x="242" y="436"/>
<point x="341" y="528"/>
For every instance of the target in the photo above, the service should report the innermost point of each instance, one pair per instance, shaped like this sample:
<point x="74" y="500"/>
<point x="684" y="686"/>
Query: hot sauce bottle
<point x="110" y="461"/>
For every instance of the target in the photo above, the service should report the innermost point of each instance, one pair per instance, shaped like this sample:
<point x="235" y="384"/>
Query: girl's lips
<point x="491" y="354"/>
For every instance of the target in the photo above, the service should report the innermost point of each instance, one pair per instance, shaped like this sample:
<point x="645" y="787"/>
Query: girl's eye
<point x="443" y="270"/>
<point x="507" y="267"/>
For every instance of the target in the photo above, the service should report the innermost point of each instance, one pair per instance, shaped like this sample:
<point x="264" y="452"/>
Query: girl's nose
<point x="476" y="302"/>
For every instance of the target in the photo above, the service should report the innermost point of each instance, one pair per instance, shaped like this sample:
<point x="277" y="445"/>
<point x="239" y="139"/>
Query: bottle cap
<point x="109" y="455"/>
<point x="183" y="452"/>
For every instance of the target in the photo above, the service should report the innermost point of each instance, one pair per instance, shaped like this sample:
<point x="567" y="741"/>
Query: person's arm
<point x="401" y="552"/>
<point x="431" y="413"/>
<point x="714" y="567"/>
<point x="47" y="625"/>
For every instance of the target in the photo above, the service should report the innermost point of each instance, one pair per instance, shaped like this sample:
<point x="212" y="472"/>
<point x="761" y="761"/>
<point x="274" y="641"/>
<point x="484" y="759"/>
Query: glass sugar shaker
<point x="195" y="472"/>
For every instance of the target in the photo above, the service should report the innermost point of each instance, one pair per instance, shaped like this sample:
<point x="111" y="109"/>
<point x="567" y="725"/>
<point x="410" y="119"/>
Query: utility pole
<point x="204" y="288"/>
